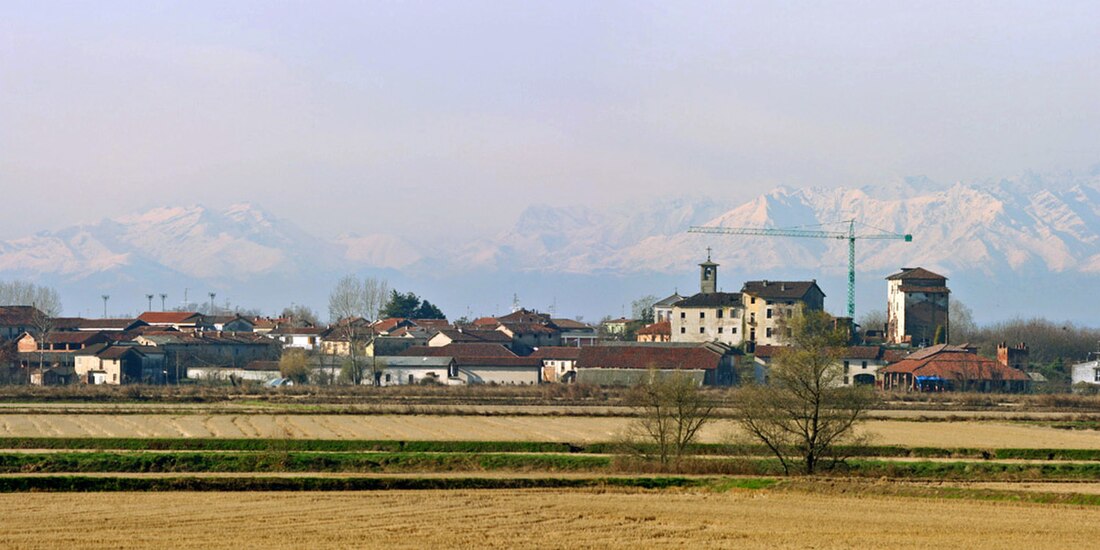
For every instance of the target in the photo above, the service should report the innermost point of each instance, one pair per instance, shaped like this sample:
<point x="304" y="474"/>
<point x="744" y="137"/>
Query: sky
<point x="369" y="116"/>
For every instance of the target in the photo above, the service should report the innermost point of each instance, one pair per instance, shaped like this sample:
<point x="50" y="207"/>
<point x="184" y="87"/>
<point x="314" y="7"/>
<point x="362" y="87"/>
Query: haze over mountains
<point x="1023" y="247"/>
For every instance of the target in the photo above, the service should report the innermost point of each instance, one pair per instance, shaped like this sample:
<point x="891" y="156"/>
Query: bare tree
<point x="805" y="411"/>
<point x="375" y="293"/>
<point x="671" y="411"/>
<point x="347" y="311"/>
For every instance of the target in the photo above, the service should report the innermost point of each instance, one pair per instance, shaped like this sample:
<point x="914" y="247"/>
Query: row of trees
<point x="802" y="416"/>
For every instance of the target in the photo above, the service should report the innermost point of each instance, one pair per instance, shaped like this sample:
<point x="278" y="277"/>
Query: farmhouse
<point x="558" y="363"/>
<point x="857" y="365"/>
<point x="407" y="370"/>
<point x="709" y="364"/>
<point x="952" y="368"/>
<point x="122" y="364"/>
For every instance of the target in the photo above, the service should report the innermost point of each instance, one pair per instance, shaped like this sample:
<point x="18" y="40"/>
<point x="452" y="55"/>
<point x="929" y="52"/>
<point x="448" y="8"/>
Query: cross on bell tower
<point x="708" y="275"/>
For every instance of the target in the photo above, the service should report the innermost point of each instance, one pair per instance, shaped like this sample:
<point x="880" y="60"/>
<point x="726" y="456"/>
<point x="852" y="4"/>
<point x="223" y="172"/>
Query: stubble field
<point x="576" y="429"/>
<point x="529" y="518"/>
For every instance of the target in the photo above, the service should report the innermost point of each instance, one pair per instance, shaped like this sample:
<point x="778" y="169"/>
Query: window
<point x="752" y="317"/>
<point x="768" y="333"/>
<point x="865" y="364"/>
<point x="733" y="330"/>
<point x="683" y="315"/>
<point x="845" y="367"/>
<point x="1097" y="379"/>
<point x="702" y="330"/>
<point x="769" y="314"/>
<point x="683" y="330"/>
<point x="719" y="313"/>
<point x="752" y="300"/>
<point x="410" y="379"/>
<point x="845" y="380"/>
<point x="719" y="330"/>
<point x="733" y="313"/>
<point x="702" y="315"/>
<point x="387" y="377"/>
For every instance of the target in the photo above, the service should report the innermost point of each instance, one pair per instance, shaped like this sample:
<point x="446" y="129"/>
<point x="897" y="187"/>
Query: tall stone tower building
<point x="916" y="307"/>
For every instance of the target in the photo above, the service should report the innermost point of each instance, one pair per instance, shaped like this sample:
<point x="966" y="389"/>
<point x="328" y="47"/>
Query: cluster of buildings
<point x="718" y="338"/>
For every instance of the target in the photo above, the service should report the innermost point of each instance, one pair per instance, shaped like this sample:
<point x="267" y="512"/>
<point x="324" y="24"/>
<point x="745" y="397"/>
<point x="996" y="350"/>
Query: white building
<point x="1087" y="372"/>
<point x="709" y="315"/>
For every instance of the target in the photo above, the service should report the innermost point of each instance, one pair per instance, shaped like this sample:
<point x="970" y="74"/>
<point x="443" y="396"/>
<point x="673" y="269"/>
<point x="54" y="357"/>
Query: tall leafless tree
<point x="351" y="304"/>
<point x="671" y="410"/>
<point x="46" y="305"/>
<point x="805" y="412"/>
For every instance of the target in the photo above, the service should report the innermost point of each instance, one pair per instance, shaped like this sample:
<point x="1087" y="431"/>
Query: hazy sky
<point x="358" y="116"/>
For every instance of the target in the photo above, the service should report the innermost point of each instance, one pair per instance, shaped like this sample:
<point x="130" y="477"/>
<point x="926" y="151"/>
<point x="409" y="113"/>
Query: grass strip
<point x="293" y="462"/>
<point x="394" y="446"/>
<point x="98" y="484"/>
<point x="833" y="487"/>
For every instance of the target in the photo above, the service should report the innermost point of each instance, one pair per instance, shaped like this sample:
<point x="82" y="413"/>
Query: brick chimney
<point x="1014" y="356"/>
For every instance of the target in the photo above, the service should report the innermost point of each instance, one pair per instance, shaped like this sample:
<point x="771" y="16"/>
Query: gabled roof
<point x="639" y="357"/>
<point x="668" y="302"/>
<point x="556" y="352"/>
<point x="952" y="363"/>
<point x="14" y="316"/>
<point x="780" y="290"/>
<point x="525" y="316"/>
<point x="459" y="350"/>
<point x="390" y="323"/>
<point x="528" y="328"/>
<point x="570" y="324"/>
<point x="440" y="362"/>
<point x="498" y="362"/>
<point x="432" y="323"/>
<point x="663" y="328"/>
<point x="914" y="273"/>
<point x="711" y="299"/>
<point x="170" y="317"/>
<point x="485" y="322"/>
<point x="850" y="352"/>
<point x="71" y="337"/>
<point x="468" y="335"/>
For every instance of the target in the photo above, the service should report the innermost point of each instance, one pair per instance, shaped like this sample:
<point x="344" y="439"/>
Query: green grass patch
<point x="86" y="462"/>
<point x="98" y="484"/>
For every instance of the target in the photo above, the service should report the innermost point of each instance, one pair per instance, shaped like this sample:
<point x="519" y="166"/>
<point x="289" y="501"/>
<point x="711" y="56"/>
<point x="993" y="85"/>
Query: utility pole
<point x="149" y="297"/>
<point x="163" y="297"/>
<point x="105" y="298"/>
<point x="212" y="296"/>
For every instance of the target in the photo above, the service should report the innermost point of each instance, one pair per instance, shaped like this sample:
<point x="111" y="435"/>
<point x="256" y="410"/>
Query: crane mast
<point x="850" y="235"/>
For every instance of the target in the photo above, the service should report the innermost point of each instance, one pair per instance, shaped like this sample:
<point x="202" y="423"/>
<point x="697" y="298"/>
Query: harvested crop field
<point x="982" y="434"/>
<point x="527" y="518"/>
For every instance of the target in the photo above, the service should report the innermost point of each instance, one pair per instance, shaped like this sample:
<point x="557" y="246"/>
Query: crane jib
<point x="849" y="236"/>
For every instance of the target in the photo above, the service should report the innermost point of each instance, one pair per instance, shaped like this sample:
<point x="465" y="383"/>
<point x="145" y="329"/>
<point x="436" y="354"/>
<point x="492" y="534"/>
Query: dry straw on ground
<point x="980" y="434"/>
<point x="524" y="519"/>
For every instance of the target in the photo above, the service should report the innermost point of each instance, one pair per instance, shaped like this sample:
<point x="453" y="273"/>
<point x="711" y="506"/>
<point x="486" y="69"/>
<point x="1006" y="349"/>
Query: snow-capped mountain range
<point x="1006" y="246"/>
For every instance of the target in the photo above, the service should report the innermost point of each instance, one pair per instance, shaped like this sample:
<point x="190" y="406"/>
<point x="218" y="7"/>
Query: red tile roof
<point x="646" y="357"/>
<point x="169" y="317"/>
<point x="780" y="290"/>
<point x="914" y="273"/>
<point x="459" y="350"/>
<point x="467" y="335"/>
<point x="14" y="316"/>
<point x="498" y="362"/>
<point x="556" y="352"/>
<point x="953" y="364"/>
<point x="485" y="322"/>
<point x="664" y="328"/>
